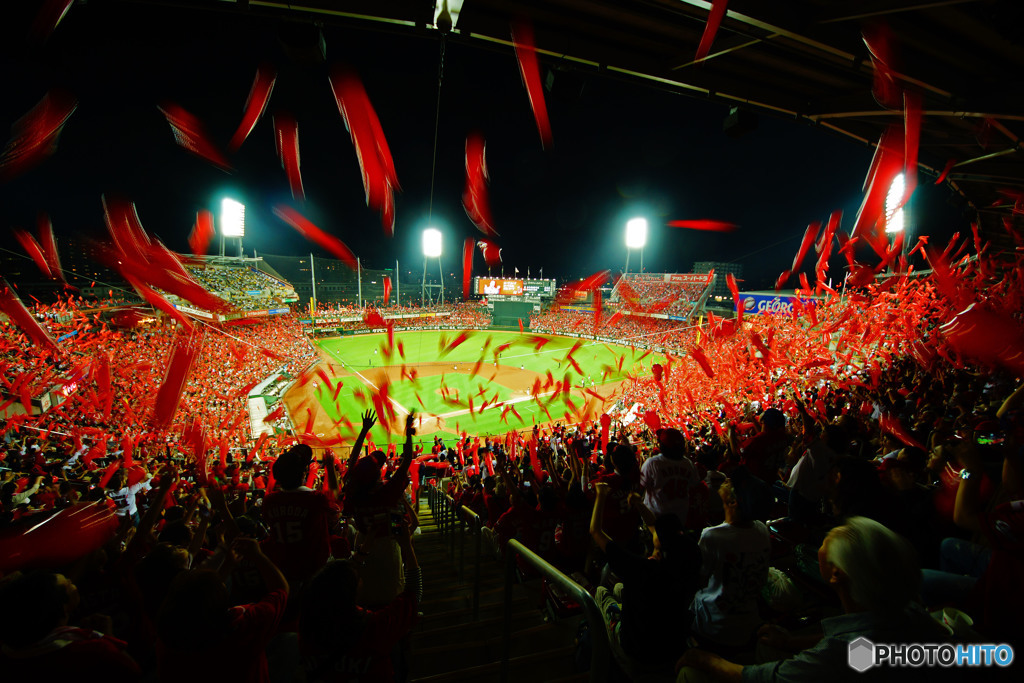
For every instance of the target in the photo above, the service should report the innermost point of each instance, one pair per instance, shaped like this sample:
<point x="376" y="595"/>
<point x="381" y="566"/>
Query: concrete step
<point x="537" y="666"/>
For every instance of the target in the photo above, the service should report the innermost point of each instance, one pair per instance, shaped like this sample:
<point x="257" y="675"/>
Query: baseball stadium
<point x="306" y="409"/>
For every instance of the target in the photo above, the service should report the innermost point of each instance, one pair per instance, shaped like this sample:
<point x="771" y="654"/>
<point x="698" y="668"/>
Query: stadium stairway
<point x="449" y="645"/>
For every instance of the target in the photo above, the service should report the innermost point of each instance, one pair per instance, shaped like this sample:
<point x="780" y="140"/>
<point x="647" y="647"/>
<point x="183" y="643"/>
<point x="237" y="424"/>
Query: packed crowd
<point x="654" y="292"/>
<point x="793" y="483"/>
<point x="746" y="531"/>
<point x="618" y="324"/>
<point x="466" y="315"/>
<point x="246" y="288"/>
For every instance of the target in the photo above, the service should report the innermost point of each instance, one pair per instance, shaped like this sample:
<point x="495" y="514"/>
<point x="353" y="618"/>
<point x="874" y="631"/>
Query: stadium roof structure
<point x="800" y="59"/>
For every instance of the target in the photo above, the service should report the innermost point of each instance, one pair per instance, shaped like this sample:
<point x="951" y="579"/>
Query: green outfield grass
<point x="362" y="356"/>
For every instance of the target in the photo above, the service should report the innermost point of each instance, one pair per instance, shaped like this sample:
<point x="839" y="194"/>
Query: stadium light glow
<point x="636" y="233"/>
<point x="893" y="210"/>
<point x="232" y="218"/>
<point x="432" y="243"/>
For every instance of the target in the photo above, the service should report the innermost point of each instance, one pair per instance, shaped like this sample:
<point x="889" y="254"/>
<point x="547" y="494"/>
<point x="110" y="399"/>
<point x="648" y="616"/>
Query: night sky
<point x="620" y="149"/>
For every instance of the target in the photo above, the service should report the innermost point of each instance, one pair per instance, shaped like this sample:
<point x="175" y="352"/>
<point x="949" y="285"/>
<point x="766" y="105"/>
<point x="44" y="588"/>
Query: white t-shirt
<point x="810" y="473"/>
<point x="667" y="484"/>
<point x="736" y="566"/>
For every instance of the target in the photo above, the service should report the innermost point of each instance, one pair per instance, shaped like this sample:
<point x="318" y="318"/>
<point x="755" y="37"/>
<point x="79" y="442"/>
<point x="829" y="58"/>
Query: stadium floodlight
<point x="636" y="233"/>
<point x="893" y="211"/>
<point x="232" y="218"/>
<point x="432" y="243"/>
<point x="636" y="238"/>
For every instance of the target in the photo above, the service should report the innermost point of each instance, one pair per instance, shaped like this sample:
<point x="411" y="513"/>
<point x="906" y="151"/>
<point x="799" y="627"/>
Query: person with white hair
<point x="875" y="574"/>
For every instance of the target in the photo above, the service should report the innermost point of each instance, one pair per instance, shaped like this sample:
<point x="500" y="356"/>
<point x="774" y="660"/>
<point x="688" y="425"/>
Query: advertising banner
<point x="499" y="287"/>
<point x="756" y="304"/>
<point x="195" y="311"/>
<point x="687" y="278"/>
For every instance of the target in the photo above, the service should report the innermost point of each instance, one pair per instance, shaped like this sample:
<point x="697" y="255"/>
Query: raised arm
<point x="597" y="532"/>
<point x="1012" y="402"/>
<point x="332" y="473"/>
<point x="369" y="419"/>
<point x="410" y="431"/>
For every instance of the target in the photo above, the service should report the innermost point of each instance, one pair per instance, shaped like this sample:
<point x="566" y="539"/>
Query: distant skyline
<point x="620" y="150"/>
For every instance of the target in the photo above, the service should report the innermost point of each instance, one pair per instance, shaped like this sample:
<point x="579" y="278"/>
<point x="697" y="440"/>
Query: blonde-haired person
<point x="874" y="572"/>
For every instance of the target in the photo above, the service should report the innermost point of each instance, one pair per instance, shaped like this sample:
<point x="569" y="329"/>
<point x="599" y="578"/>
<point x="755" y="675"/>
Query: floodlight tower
<point x="232" y="222"/>
<point x="896" y="211"/>
<point x="432" y="249"/>
<point x="636" y="238"/>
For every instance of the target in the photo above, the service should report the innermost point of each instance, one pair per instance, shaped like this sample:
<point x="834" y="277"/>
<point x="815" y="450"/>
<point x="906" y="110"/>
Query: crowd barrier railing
<point x="600" y="651"/>
<point x="446" y="515"/>
<point x="473" y="521"/>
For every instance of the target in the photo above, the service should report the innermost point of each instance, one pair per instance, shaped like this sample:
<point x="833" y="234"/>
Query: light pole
<point x="636" y="238"/>
<point x="232" y="222"/>
<point x="431" y="249"/>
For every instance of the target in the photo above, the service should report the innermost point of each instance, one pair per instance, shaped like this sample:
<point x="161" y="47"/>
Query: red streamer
<point x="311" y="232"/>
<point x="715" y="16"/>
<point x="255" y="104"/>
<point x="286" y="137"/>
<point x="467" y="266"/>
<point x="190" y="134"/>
<point x="704" y="224"/>
<point x="526" y="55"/>
<point x="202" y="233"/>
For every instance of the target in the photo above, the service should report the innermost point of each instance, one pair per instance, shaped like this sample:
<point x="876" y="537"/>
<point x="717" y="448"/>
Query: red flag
<point x="286" y="138"/>
<point x="311" y="232"/>
<point x="535" y="461"/>
<point x="652" y="420"/>
<point x="182" y="358"/>
<point x="387" y="289"/>
<point x="190" y="134"/>
<point x="805" y="245"/>
<point x="698" y="355"/>
<point x="715" y="16"/>
<point x="20" y="316"/>
<point x="491" y="252"/>
<point x="48" y="244"/>
<point x="526" y="55"/>
<point x="372" y="151"/>
<point x="32" y="248"/>
<point x="467" y="266"/>
<point x="202" y="233"/>
<point x="474" y="196"/>
<point x="255" y="104"/>
<point x="704" y="224"/>
<point x="35" y="135"/>
<point x="945" y="171"/>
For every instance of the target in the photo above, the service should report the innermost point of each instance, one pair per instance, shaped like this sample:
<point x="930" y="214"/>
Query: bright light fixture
<point x="232" y="218"/>
<point x="636" y="233"/>
<point x="452" y="7"/>
<point x="432" y="243"/>
<point x="893" y="210"/>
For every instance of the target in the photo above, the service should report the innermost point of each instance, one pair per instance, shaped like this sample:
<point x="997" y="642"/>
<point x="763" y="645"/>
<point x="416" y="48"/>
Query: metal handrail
<point x="477" y="526"/>
<point x="451" y="514"/>
<point x="599" y="658"/>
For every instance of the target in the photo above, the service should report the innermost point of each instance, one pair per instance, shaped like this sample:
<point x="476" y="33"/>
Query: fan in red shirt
<point x="204" y="638"/>
<point x="38" y="643"/>
<point x="765" y="453"/>
<point x="621" y="520"/>
<point x="344" y="642"/>
<point x="299" y="518"/>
